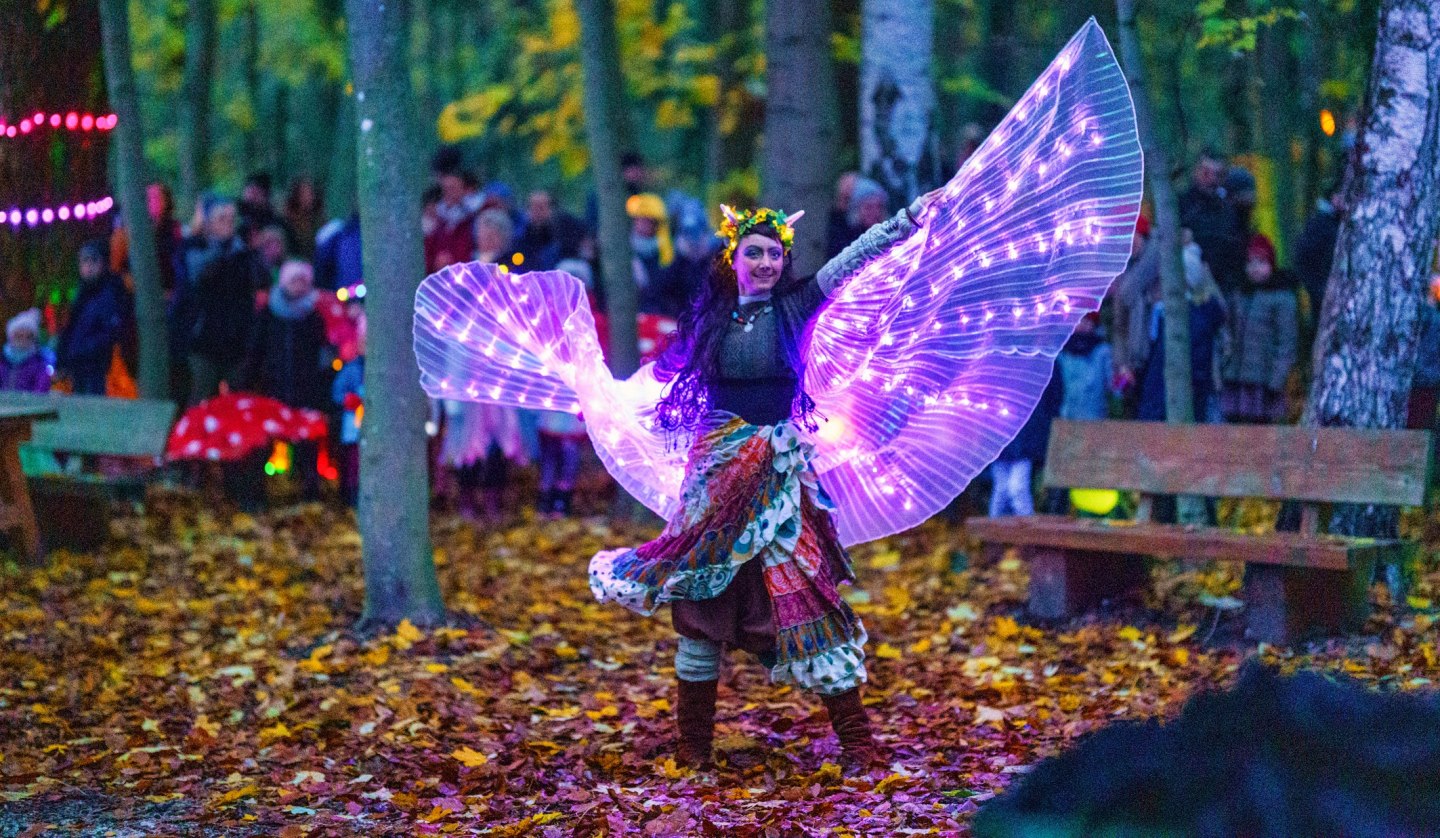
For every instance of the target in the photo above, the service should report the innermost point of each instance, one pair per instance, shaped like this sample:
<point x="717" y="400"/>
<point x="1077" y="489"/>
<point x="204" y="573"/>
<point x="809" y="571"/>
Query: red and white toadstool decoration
<point x="232" y="425"/>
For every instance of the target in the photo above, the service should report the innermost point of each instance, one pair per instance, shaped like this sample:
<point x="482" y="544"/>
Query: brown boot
<point x="858" y="750"/>
<point x="695" y="721"/>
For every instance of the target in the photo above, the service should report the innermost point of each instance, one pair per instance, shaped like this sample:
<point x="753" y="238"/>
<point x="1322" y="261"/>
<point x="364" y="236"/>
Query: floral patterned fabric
<point x="750" y="495"/>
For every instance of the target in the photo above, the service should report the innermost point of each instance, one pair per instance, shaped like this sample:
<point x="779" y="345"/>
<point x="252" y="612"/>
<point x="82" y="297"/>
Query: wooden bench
<point x="16" y="511"/>
<point x="1295" y="582"/>
<point x="73" y="510"/>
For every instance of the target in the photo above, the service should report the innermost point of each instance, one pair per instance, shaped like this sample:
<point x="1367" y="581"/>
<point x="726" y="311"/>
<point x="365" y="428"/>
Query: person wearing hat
<point x="654" y="254"/>
<point x="96" y="322"/>
<point x="24" y="364"/>
<point x="1265" y="332"/>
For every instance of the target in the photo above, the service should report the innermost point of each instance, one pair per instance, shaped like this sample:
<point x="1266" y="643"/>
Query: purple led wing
<point x="528" y="340"/>
<point x="930" y="360"/>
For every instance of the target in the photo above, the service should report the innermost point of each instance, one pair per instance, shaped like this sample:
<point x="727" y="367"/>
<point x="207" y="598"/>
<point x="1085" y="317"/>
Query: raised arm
<point x="871" y="244"/>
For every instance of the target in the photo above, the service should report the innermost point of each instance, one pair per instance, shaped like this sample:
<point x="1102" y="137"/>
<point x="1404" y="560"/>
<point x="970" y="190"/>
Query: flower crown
<point x="737" y="225"/>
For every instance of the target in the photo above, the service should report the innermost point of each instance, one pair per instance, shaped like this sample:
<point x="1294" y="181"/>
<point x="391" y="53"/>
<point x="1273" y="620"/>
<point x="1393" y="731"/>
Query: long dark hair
<point x="692" y="360"/>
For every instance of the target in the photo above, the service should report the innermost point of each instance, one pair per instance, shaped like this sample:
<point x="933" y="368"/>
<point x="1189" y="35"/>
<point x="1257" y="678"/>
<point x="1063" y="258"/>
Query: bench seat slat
<point x="1290" y="549"/>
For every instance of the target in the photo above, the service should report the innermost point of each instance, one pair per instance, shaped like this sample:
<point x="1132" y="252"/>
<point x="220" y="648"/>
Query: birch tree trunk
<point x="153" y="378"/>
<point x="394" y="500"/>
<point x="1365" y="352"/>
<point x="607" y="131"/>
<point x="898" y="144"/>
<point x="193" y="112"/>
<point x="1165" y="232"/>
<point x="801" y="135"/>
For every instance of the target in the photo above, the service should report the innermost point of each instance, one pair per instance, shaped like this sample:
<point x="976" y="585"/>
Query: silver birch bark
<point x="1365" y="353"/>
<point x="898" y="145"/>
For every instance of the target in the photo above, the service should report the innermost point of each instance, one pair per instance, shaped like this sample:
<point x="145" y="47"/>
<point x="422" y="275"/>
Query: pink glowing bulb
<point x="72" y="119"/>
<point x="54" y="120"/>
<point x="79" y="210"/>
<point x="10" y="131"/>
<point x="63" y="213"/>
<point x="32" y="217"/>
<point x="48" y="215"/>
<point x="38" y="118"/>
<point x="25" y="126"/>
<point x="15" y="217"/>
<point x="87" y="122"/>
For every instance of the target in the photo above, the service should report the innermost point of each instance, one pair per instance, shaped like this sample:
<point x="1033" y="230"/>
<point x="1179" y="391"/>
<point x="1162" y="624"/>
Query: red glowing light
<point x="87" y="122"/>
<point x="71" y="120"/>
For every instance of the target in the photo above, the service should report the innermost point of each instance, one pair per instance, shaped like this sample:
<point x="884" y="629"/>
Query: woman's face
<point x="489" y="240"/>
<point x="758" y="263"/>
<point x="1258" y="269"/>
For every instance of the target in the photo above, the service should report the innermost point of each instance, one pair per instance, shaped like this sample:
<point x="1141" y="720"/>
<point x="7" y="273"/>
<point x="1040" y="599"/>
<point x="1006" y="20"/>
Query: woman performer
<point x="791" y="417"/>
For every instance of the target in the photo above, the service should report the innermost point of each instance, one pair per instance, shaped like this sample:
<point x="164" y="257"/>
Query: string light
<point x="35" y="216"/>
<point x="72" y="121"/>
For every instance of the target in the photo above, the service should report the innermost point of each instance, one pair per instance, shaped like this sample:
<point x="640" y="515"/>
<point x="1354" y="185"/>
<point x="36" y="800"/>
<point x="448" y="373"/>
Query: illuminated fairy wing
<point x="930" y="359"/>
<point x="528" y="340"/>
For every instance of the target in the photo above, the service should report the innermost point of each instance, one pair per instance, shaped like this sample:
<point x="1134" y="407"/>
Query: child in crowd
<point x="24" y="364"/>
<point x="290" y="358"/>
<point x="348" y="391"/>
<point x="1265" y="330"/>
<point x="96" y="322"/>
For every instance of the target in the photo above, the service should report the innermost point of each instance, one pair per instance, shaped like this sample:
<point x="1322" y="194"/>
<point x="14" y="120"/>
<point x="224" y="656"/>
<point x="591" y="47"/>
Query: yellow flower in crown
<point x="737" y="225"/>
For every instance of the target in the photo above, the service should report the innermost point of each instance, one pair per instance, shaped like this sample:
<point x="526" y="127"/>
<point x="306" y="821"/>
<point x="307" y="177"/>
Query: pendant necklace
<point x="749" y="322"/>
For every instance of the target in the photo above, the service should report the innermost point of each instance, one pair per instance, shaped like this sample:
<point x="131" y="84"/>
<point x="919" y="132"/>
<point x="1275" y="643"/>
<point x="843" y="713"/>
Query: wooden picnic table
<point x="16" y="511"/>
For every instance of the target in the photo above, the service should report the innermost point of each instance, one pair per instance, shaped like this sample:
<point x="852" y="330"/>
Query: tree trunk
<point x="193" y="111"/>
<point x="1277" y="118"/>
<point x="1311" y="77"/>
<point x="1165" y="232"/>
<point x="1365" y="352"/>
<point x="400" y="579"/>
<point x="898" y="147"/>
<point x="250" y="25"/>
<point x="153" y="376"/>
<point x="719" y="146"/>
<point x="801" y="136"/>
<point x="1000" y="58"/>
<point x="607" y="131"/>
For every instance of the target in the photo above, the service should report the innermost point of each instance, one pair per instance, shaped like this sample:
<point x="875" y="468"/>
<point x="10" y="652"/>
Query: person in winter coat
<point x="24" y="364"/>
<point x="1135" y="293"/>
<point x="1086" y="371"/>
<point x="1207" y="324"/>
<point x="1265" y="330"/>
<point x="219" y="311"/>
<point x="348" y="392"/>
<point x="449" y="223"/>
<point x="97" y="321"/>
<point x="1315" y="249"/>
<point x="1215" y="220"/>
<point x="289" y="358"/>
<point x="338" y="257"/>
<point x="658" y="292"/>
<point x="1013" y="471"/>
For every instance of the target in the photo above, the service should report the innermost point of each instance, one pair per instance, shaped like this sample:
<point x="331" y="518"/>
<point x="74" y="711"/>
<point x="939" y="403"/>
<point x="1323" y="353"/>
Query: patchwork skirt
<point x="751" y="560"/>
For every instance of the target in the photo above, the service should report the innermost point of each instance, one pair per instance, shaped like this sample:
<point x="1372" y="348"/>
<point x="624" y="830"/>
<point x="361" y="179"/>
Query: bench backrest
<point x="1319" y="465"/>
<point x="98" y="425"/>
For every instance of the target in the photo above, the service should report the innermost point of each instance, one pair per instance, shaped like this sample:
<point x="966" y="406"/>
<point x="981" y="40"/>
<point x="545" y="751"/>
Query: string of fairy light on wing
<point x="930" y="360"/>
<point x="528" y="340"/>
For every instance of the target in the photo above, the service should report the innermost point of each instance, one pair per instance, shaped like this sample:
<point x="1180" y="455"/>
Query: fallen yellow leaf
<point x="469" y="757"/>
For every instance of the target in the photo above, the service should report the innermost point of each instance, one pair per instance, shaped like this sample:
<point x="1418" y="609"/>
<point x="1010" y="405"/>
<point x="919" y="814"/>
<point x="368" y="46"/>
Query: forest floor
<point x="198" y="677"/>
